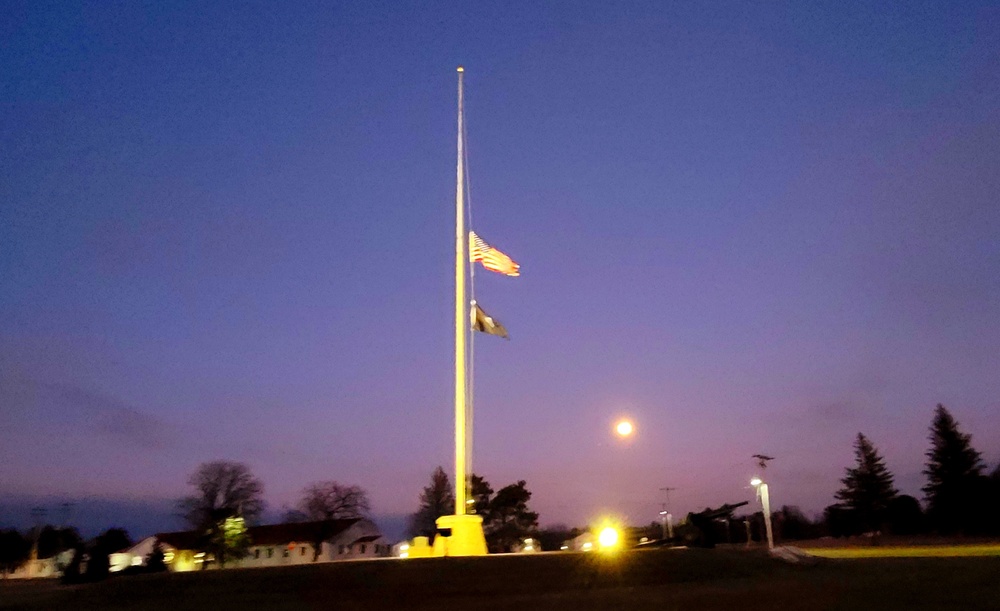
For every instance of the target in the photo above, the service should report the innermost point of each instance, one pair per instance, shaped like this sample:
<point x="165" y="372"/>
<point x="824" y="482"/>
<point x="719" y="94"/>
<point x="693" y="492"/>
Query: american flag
<point x="491" y="258"/>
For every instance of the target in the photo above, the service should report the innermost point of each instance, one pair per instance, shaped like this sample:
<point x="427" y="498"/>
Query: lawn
<point x="907" y="551"/>
<point x="635" y="580"/>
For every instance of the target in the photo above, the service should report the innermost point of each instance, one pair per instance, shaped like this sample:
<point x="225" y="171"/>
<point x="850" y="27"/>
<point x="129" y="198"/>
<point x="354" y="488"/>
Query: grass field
<point x="907" y="551"/>
<point x="636" y="580"/>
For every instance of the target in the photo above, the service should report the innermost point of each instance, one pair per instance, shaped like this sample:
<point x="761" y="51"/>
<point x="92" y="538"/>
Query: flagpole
<point x="461" y="314"/>
<point x="460" y="534"/>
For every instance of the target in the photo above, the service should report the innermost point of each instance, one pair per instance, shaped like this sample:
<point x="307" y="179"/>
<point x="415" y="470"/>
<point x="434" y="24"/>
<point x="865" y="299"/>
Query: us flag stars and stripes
<point x="491" y="258"/>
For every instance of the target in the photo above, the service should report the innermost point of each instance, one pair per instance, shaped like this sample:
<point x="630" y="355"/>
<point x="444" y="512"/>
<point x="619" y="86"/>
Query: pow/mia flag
<point x="484" y="323"/>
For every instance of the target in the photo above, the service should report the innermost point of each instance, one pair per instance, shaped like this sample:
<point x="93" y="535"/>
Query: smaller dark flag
<point x="484" y="323"/>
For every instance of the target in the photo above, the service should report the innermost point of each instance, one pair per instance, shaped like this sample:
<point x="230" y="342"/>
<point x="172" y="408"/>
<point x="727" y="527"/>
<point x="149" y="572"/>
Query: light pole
<point x="765" y="501"/>
<point x="668" y="527"/>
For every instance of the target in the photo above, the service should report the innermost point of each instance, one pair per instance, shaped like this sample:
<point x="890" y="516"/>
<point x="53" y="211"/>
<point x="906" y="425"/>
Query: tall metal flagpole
<point x="460" y="534"/>
<point x="461" y="314"/>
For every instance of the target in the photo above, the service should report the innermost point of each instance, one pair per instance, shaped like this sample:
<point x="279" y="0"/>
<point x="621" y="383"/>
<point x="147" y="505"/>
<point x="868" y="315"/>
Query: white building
<point x="271" y="545"/>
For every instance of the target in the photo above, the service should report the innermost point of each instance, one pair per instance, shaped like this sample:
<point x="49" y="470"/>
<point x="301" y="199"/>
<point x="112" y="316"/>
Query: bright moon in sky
<point x="624" y="428"/>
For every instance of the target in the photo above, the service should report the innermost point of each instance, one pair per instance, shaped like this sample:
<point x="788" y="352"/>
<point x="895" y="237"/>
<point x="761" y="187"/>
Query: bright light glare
<point x="755" y="481"/>
<point x="587" y="545"/>
<point x="608" y="537"/>
<point x="624" y="428"/>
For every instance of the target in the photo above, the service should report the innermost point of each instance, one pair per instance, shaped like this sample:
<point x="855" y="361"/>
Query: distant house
<point x="271" y="545"/>
<point x="178" y="552"/>
<point x="43" y="567"/>
<point x="584" y="542"/>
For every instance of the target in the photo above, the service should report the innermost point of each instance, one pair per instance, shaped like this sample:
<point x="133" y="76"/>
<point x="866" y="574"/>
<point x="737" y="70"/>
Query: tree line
<point x="226" y="498"/>
<point x="49" y="541"/>
<point x="961" y="498"/>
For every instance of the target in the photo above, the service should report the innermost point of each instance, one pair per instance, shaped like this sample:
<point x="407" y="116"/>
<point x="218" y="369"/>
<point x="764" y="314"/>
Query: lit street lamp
<point x="668" y="527"/>
<point x="765" y="501"/>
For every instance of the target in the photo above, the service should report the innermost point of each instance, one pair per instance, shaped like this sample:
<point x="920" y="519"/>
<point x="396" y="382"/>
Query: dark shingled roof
<point x="179" y="540"/>
<point x="299" y="532"/>
<point x="268" y="534"/>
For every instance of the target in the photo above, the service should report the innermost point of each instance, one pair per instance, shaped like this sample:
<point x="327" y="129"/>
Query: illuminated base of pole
<point x="466" y="537"/>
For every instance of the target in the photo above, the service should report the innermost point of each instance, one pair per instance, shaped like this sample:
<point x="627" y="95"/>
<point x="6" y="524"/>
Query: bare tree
<point x="331" y="500"/>
<point x="324" y="502"/>
<point x="223" y="489"/>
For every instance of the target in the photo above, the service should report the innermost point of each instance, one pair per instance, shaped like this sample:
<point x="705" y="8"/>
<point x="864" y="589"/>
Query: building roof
<point x="269" y="534"/>
<point x="301" y="532"/>
<point x="366" y="539"/>
<point x="179" y="540"/>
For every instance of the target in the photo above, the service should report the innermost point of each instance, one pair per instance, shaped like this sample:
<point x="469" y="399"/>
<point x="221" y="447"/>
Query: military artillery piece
<point x="702" y="529"/>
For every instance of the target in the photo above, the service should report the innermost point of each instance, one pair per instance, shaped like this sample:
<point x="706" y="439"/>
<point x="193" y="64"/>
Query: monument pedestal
<point x="466" y="538"/>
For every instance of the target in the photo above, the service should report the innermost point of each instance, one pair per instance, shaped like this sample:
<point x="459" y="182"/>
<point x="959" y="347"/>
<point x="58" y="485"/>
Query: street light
<point x="765" y="501"/>
<point x="608" y="538"/>
<point x="668" y="527"/>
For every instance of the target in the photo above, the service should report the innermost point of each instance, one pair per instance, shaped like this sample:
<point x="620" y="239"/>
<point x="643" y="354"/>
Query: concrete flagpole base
<point x="466" y="538"/>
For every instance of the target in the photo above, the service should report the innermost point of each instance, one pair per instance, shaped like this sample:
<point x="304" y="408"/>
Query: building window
<point x="270" y="552"/>
<point x="340" y="549"/>
<point x="285" y="553"/>
<point x="256" y="553"/>
<point x="362" y="548"/>
<point x="303" y="548"/>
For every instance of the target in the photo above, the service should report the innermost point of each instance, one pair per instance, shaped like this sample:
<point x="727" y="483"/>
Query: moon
<point x="624" y="428"/>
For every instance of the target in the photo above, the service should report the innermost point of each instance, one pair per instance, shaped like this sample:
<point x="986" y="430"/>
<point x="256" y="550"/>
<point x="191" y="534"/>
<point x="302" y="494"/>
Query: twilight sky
<point x="226" y="233"/>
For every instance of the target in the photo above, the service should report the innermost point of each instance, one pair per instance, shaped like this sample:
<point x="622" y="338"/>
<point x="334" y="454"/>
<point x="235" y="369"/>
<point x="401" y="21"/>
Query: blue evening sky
<point x="226" y="233"/>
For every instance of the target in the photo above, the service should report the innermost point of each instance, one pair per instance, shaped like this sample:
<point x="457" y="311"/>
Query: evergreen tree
<point x="905" y="516"/>
<point x="156" y="560"/>
<point x="114" y="540"/>
<point x="954" y="477"/>
<point x="507" y="521"/>
<point x="510" y="520"/>
<point x="868" y="489"/>
<point x="435" y="501"/>
<point x="14" y="550"/>
<point x="480" y="492"/>
<point x="98" y="563"/>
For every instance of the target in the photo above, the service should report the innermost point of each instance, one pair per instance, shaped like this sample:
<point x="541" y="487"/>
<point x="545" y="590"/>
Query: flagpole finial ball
<point x="461" y="69"/>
